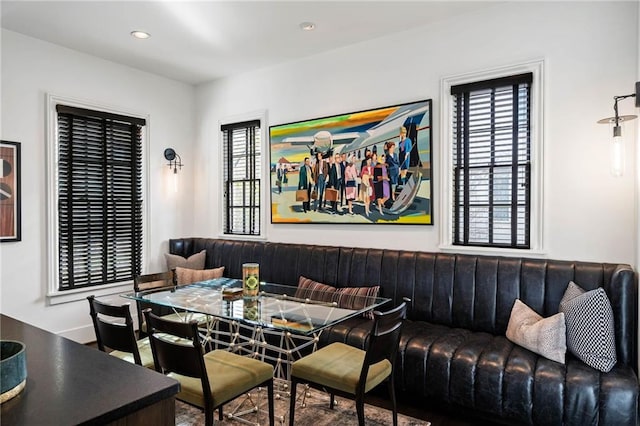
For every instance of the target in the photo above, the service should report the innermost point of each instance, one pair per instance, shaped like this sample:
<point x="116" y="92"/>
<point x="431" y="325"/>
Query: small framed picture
<point x="10" y="191"/>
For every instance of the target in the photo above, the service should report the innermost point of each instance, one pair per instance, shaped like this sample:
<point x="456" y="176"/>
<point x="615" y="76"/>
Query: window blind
<point x="242" y="171"/>
<point x="492" y="162"/>
<point x="99" y="197"/>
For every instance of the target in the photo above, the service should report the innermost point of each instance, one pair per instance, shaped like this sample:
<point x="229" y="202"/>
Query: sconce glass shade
<point x="175" y="162"/>
<point x="617" y="153"/>
<point x="617" y="146"/>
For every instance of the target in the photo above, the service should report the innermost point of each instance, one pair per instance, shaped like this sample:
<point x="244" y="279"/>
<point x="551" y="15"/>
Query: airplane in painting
<point x="386" y="130"/>
<point x="409" y="116"/>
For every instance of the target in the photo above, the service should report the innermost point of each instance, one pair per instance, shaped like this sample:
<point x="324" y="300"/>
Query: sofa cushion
<point x="544" y="336"/>
<point x="188" y="276"/>
<point x="313" y="290"/>
<point x="590" y="326"/>
<point x="195" y="261"/>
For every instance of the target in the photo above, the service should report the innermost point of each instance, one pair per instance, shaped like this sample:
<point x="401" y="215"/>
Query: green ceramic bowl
<point x="13" y="369"/>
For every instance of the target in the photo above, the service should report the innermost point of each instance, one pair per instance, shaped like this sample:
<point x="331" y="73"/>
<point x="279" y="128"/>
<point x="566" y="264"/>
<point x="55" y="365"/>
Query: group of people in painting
<point x="374" y="182"/>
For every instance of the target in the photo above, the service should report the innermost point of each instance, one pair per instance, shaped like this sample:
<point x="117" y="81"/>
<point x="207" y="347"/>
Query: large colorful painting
<point x="366" y="167"/>
<point x="9" y="191"/>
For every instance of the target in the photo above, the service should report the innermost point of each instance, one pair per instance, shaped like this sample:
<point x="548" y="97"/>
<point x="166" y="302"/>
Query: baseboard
<point x="83" y="334"/>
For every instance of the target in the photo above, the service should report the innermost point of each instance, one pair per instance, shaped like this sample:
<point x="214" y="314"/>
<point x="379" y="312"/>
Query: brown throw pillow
<point x="188" y="276"/>
<point x="313" y="290"/>
<point x="357" y="298"/>
<point x="195" y="261"/>
<point x="544" y="336"/>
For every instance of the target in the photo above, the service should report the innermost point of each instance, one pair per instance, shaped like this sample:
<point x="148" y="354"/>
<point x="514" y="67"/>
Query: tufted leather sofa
<point x="453" y="352"/>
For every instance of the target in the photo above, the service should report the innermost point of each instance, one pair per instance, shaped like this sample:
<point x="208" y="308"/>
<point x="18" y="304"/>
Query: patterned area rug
<point x="316" y="412"/>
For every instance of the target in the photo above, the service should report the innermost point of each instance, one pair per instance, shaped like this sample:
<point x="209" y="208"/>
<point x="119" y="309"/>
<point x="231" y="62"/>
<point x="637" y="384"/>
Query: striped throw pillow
<point x="357" y="298"/>
<point x="313" y="290"/>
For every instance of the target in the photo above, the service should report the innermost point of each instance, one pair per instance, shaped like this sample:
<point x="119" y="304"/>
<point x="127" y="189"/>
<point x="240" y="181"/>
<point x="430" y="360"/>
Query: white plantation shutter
<point x="492" y="162"/>
<point x="99" y="197"/>
<point x="242" y="171"/>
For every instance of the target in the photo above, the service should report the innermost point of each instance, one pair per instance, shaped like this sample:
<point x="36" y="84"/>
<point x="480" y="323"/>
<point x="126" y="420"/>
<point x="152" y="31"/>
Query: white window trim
<point x="260" y="115"/>
<point x="537" y="148"/>
<point x="55" y="296"/>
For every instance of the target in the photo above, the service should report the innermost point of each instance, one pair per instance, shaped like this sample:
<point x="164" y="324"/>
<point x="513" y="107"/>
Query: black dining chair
<point x="151" y="282"/>
<point x="351" y="372"/>
<point x="113" y="326"/>
<point x="207" y="380"/>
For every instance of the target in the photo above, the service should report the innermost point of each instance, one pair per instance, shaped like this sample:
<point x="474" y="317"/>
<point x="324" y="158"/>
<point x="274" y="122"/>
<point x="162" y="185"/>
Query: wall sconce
<point x="175" y="162"/>
<point x="617" y="149"/>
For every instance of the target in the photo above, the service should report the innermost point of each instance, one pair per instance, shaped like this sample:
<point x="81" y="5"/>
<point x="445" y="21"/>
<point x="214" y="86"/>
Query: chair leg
<point x="392" y="393"/>
<point x="332" y="400"/>
<point x="208" y="416"/>
<point x="271" y="410"/>
<point x="220" y="413"/>
<point x="360" y="410"/>
<point x="292" y="401"/>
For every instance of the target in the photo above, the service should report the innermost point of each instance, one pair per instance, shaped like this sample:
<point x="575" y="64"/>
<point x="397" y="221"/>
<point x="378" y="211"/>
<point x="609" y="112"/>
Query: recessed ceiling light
<point x="307" y="26"/>
<point x="140" y="34"/>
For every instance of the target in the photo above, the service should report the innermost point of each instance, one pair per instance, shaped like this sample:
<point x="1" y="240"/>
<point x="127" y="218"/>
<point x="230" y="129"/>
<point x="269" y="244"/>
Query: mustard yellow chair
<point x="113" y="326"/>
<point x="351" y="372"/>
<point x="206" y="380"/>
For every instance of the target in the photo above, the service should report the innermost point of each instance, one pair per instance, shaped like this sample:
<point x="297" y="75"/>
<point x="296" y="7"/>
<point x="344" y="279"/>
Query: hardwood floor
<point x="436" y="418"/>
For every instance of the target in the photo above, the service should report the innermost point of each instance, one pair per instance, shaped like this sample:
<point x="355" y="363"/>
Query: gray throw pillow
<point x="544" y="336"/>
<point x="590" y="326"/>
<point x="195" y="261"/>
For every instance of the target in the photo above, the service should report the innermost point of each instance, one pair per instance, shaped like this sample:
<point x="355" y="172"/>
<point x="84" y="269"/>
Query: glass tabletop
<point x="275" y="307"/>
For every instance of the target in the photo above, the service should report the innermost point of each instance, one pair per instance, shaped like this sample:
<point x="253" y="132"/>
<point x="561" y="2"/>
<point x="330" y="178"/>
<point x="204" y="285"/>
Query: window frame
<point x="536" y="247"/>
<point x="53" y="293"/>
<point x="260" y="116"/>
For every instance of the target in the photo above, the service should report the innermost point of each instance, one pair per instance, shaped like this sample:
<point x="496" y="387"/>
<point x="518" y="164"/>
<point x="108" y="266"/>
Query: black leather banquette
<point x="453" y="352"/>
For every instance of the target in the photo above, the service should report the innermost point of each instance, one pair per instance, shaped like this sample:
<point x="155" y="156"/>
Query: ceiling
<point x="199" y="41"/>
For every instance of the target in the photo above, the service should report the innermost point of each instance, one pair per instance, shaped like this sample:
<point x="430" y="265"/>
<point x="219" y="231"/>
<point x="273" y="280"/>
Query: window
<point x="491" y="162"/>
<point x="99" y="197"/>
<point x="241" y="176"/>
<point x="492" y="159"/>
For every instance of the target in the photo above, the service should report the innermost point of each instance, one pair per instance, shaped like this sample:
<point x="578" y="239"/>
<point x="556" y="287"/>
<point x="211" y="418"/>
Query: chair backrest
<point x="148" y="282"/>
<point x="115" y="332"/>
<point x="384" y="338"/>
<point x="176" y="348"/>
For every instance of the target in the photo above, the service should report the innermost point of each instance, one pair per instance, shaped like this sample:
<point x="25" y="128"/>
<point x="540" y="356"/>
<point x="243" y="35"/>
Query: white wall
<point x="31" y="69"/>
<point x="590" y="52"/>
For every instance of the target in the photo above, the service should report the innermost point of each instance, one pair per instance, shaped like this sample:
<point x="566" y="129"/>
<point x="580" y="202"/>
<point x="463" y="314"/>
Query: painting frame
<point x="10" y="192"/>
<point x="400" y="192"/>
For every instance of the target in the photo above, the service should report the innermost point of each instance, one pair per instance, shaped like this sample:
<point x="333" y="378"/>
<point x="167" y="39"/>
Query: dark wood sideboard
<point x="69" y="383"/>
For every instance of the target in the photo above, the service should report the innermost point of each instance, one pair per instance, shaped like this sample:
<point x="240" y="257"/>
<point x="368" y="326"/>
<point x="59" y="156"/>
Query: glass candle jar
<point x="250" y="280"/>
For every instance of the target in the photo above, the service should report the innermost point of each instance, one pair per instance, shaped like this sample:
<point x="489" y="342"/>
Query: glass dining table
<point x="275" y="326"/>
